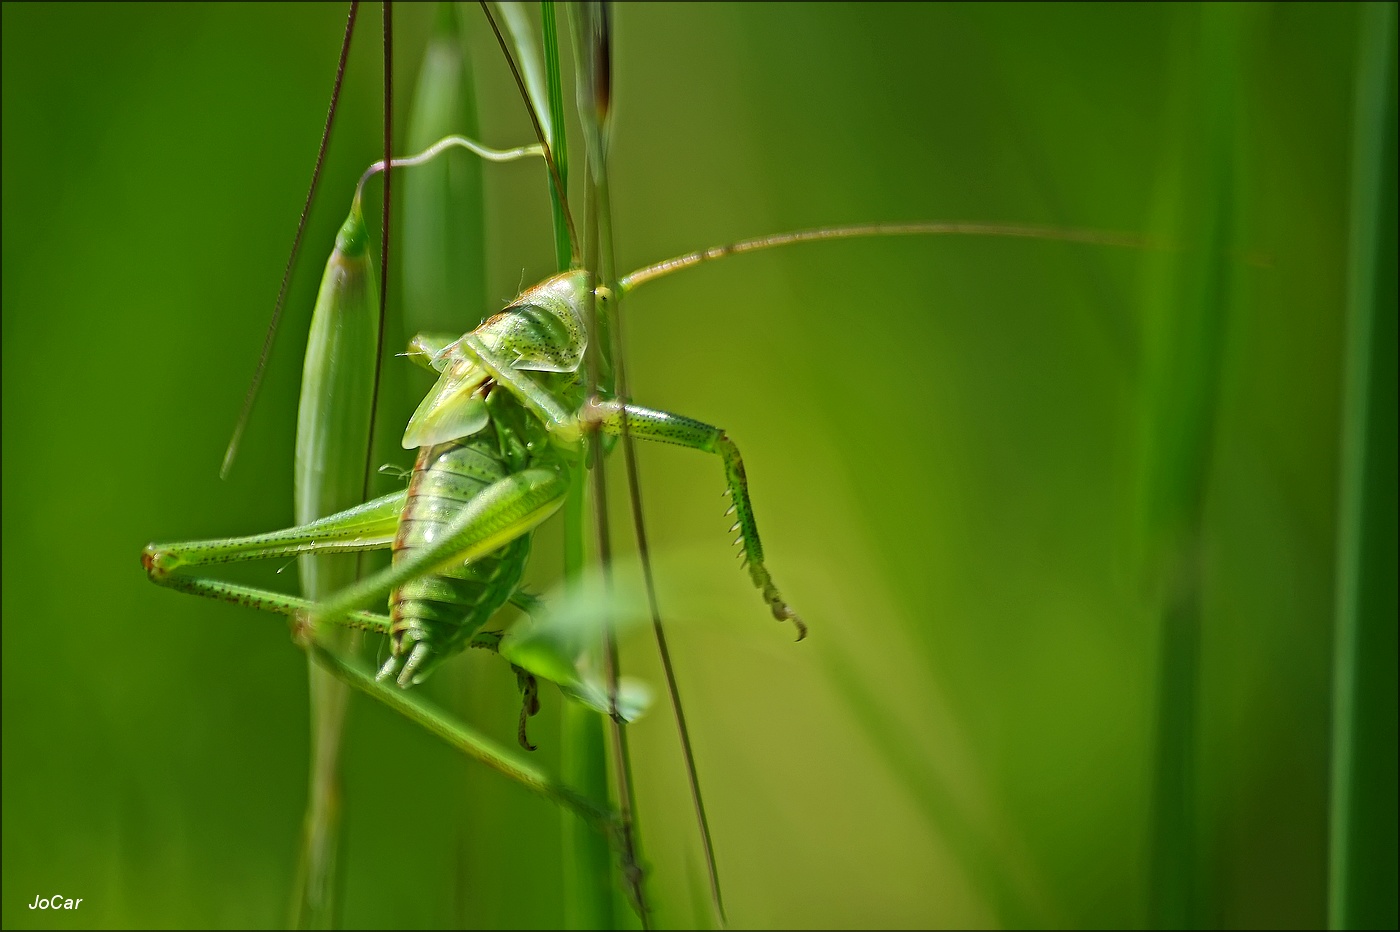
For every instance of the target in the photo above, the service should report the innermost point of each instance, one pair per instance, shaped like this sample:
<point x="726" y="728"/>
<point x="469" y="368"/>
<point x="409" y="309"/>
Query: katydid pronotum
<point x="507" y="419"/>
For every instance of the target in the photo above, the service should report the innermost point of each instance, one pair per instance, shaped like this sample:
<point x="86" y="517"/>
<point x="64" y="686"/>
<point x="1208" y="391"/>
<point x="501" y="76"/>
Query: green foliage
<point x="332" y="444"/>
<point x="1363" y="854"/>
<point x="944" y="439"/>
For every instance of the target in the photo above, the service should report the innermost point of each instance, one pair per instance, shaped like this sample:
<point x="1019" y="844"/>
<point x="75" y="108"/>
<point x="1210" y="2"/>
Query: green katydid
<point x="497" y="439"/>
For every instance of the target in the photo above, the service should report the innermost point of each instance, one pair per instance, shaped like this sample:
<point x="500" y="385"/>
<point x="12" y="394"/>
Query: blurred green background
<point x="966" y="457"/>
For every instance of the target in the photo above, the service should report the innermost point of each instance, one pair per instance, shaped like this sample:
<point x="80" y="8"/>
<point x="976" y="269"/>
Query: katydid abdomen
<point x="434" y="615"/>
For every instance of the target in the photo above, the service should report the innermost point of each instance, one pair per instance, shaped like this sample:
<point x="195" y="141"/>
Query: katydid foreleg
<point x="661" y="426"/>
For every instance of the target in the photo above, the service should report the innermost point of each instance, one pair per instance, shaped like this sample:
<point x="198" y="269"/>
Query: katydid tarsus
<point x="497" y="439"/>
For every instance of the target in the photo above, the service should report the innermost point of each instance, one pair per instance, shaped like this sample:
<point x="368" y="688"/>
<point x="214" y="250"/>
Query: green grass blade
<point x="444" y="265"/>
<point x="588" y="876"/>
<point x="1185" y="350"/>
<point x="520" y="28"/>
<point x="1362" y="881"/>
<point x="588" y="885"/>
<point x="333" y="435"/>
<point x="554" y="130"/>
<point x="588" y="888"/>
<point x="444" y="256"/>
<point x="466" y="740"/>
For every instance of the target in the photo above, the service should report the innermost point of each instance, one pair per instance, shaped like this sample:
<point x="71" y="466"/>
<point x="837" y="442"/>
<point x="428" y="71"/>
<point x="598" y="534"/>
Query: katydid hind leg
<point x="268" y="600"/>
<point x="369" y="526"/>
<point x="365" y="527"/>
<point x="500" y="513"/>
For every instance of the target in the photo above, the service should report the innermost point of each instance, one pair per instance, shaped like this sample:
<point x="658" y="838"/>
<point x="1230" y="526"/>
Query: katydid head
<point x="542" y="330"/>
<point x="426" y="350"/>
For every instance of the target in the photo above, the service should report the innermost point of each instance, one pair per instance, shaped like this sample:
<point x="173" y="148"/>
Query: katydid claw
<point x="529" y="704"/>
<point x="783" y="612"/>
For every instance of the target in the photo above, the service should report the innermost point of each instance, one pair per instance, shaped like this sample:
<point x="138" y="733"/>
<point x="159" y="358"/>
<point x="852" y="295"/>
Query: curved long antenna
<point x="232" y="452"/>
<point x="442" y="145"/>
<point x="555" y="177"/>
<point x="864" y="230"/>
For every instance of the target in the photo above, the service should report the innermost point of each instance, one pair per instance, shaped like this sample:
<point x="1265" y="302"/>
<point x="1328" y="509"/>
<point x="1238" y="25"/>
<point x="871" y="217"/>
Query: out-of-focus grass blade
<point x="444" y="259"/>
<point x="333" y="434"/>
<point x="444" y="253"/>
<point x="592" y="58"/>
<point x="589" y="901"/>
<point x="549" y="651"/>
<point x="1184" y="343"/>
<point x="588" y="885"/>
<point x="592" y="31"/>
<point x="1362" y="882"/>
